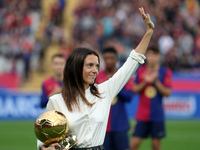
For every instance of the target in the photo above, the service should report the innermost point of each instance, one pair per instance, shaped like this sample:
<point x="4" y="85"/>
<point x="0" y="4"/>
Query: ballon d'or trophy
<point x="53" y="127"/>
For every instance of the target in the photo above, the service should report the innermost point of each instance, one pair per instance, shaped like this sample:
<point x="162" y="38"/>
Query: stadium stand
<point x="26" y="45"/>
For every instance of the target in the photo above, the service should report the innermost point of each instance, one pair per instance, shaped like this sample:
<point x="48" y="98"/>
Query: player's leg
<point x="141" y="131"/>
<point x="108" y="141"/>
<point x="157" y="132"/>
<point x="135" y="143"/>
<point x="120" y="140"/>
<point x="156" y="144"/>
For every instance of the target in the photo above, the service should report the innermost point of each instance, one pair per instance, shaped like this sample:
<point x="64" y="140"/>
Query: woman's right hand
<point x="51" y="147"/>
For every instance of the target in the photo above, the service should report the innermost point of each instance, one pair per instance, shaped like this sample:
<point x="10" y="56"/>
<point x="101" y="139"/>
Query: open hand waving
<point x="146" y="17"/>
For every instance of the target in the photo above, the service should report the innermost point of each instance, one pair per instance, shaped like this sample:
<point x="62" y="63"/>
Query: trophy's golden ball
<point x="51" y="126"/>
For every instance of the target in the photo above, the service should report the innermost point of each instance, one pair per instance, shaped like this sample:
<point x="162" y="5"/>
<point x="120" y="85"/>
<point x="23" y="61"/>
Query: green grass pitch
<point x="181" y="135"/>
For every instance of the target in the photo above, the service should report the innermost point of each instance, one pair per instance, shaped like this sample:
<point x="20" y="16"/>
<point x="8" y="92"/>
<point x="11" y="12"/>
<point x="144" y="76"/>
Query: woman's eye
<point x="97" y="66"/>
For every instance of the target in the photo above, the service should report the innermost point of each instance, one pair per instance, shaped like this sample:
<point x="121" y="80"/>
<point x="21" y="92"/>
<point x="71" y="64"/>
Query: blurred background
<point x="31" y="31"/>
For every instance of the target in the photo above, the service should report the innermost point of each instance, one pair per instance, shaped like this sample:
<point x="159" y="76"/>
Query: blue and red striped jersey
<point x="47" y="87"/>
<point x="150" y="107"/>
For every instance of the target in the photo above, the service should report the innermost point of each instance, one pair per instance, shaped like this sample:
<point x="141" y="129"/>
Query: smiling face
<point x="90" y="69"/>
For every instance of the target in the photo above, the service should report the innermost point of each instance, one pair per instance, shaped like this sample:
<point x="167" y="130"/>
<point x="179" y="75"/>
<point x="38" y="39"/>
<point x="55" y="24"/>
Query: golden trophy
<point x="53" y="127"/>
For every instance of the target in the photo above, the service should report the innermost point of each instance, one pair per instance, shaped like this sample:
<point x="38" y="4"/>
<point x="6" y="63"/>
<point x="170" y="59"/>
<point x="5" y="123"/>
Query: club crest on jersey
<point x="150" y="92"/>
<point x="115" y="100"/>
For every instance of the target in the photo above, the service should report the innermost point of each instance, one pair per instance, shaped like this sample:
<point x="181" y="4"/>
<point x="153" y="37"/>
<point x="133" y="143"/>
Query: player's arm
<point x="56" y="90"/>
<point x="148" y="78"/>
<point x="139" y="87"/>
<point x="43" y="98"/>
<point x="165" y="91"/>
<point x="125" y="95"/>
<point x="165" y="87"/>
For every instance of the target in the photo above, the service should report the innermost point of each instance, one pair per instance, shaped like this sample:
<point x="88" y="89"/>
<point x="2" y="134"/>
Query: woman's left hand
<point x="146" y="17"/>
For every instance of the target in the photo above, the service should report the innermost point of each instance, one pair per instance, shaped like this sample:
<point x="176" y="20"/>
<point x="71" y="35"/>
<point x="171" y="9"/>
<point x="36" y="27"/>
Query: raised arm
<point x="136" y="57"/>
<point x="142" y="47"/>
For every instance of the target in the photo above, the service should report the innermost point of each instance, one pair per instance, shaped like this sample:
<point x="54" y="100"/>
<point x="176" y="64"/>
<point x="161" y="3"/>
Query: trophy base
<point x="69" y="142"/>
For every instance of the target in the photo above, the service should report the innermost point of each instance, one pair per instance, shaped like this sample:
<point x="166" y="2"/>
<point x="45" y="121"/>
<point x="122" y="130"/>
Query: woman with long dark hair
<point x="86" y="104"/>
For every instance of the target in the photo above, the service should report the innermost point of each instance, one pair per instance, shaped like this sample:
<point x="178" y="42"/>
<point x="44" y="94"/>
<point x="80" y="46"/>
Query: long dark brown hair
<point x="73" y="83"/>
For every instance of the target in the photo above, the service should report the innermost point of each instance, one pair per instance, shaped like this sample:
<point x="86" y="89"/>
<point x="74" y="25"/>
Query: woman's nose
<point x="95" y="69"/>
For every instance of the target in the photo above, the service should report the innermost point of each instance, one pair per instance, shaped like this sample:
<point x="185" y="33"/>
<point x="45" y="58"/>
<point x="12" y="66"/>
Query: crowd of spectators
<point x="118" y="23"/>
<point x="18" y="22"/>
<point x="21" y="50"/>
<point x="54" y="30"/>
<point x="100" y="23"/>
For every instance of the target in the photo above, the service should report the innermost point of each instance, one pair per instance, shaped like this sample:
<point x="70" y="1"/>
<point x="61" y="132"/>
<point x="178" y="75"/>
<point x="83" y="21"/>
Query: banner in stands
<point x="26" y="105"/>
